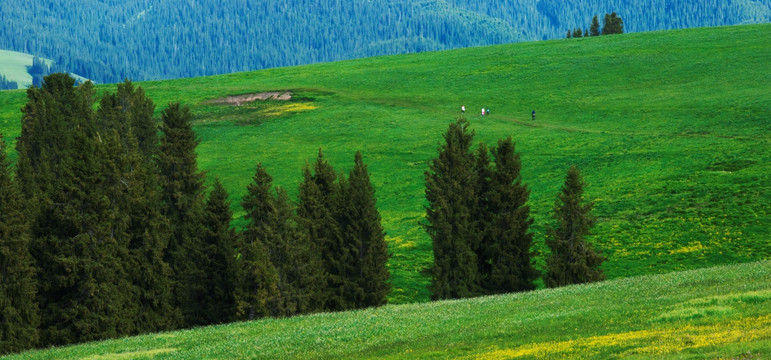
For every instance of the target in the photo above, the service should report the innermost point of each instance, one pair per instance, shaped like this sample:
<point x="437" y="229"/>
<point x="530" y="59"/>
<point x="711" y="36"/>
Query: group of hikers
<point x="486" y="111"/>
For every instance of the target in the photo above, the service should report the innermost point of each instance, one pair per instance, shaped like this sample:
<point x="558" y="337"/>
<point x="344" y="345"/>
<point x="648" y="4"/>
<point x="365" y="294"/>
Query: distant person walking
<point x="483" y="111"/>
<point x="463" y="109"/>
<point x="487" y="111"/>
<point x="533" y="115"/>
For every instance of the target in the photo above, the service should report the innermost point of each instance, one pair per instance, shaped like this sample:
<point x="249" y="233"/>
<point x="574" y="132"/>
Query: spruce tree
<point x="300" y="271"/>
<point x="612" y="24"/>
<point x="482" y="213"/>
<point x="19" y="316"/>
<point x="183" y="195"/>
<point x="594" y="29"/>
<point x="450" y="183"/>
<point x="572" y="259"/>
<point x="272" y="222"/>
<point x="365" y="239"/>
<point x="316" y="212"/>
<point x="61" y="166"/>
<point x="509" y="250"/>
<point x="259" y="289"/>
<point x="220" y="241"/>
<point x="348" y="263"/>
<point x="129" y="107"/>
<point x="139" y="222"/>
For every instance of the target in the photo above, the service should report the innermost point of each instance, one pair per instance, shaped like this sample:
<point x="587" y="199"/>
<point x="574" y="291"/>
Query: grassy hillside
<point x="14" y="66"/>
<point x="670" y="129"/>
<point x="719" y="312"/>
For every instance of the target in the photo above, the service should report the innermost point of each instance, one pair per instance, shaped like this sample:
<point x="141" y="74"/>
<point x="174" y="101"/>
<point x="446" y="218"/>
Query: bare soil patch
<point x="239" y="100"/>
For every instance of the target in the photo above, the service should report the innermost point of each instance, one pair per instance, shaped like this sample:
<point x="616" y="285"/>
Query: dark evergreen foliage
<point x="612" y="24"/>
<point x="594" y="29"/>
<point x="134" y="191"/>
<point x="364" y="238"/>
<point x="572" y="259"/>
<point x="81" y="268"/>
<point x="577" y="33"/>
<point x="145" y="40"/>
<point x="483" y="213"/>
<point x="38" y="70"/>
<point x="220" y="241"/>
<point x="450" y="223"/>
<point x="508" y="249"/>
<point x="272" y="222"/>
<point x="318" y="207"/>
<point x="130" y="108"/>
<point x="183" y="194"/>
<point x="6" y="84"/>
<point x="19" y="316"/>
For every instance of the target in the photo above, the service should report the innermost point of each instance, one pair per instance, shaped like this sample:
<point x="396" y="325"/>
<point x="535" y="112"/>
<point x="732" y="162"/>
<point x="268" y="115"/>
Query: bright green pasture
<point x="671" y="130"/>
<point x="719" y="312"/>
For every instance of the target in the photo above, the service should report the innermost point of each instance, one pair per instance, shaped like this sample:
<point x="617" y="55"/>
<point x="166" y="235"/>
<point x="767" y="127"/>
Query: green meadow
<point x="13" y="65"/>
<point x="714" y="313"/>
<point x="671" y="131"/>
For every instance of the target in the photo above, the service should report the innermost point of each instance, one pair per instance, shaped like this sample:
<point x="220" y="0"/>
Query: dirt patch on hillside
<point x="239" y="100"/>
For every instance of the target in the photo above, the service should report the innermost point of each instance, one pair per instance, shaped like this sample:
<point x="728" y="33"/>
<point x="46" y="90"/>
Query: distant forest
<point x="109" y="40"/>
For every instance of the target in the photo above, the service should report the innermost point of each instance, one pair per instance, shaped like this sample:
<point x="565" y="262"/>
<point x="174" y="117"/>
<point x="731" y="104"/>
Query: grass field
<point x="670" y="129"/>
<point x="714" y="313"/>
<point x="14" y="66"/>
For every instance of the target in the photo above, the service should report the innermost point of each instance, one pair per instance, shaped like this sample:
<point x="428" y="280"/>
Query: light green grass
<point x="670" y="129"/>
<point x="719" y="312"/>
<point x="14" y="66"/>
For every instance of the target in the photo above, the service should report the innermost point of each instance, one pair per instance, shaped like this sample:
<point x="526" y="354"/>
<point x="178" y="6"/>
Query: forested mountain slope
<point x="109" y="40"/>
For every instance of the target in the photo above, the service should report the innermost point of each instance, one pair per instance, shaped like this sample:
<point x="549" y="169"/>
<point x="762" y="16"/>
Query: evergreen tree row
<point x="612" y="24"/>
<point x="107" y="230"/>
<point x="6" y="84"/>
<point x="478" y="220"/>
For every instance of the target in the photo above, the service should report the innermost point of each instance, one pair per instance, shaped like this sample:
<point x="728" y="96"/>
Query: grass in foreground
<point x="671" y="130"/>
<point x="719" y="312"/>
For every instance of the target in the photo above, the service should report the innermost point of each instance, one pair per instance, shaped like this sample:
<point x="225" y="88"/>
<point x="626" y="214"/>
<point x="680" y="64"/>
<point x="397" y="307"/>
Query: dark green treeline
<point x="107" y="230"/>
<point x="572" y="259"/>
<point x="478" y="220"/>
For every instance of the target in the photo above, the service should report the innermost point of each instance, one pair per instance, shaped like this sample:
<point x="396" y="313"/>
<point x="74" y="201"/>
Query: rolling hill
<point x="716" y="313"/>
<point x="670" y="129"/>
<point x="110" y="40"/>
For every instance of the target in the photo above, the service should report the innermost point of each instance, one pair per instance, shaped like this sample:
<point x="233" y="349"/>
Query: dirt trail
<point x="239" y="100"/>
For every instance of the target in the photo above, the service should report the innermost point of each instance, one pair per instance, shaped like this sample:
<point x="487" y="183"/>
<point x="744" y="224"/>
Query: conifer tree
<point x="183" y="194"/>
<point x="365" y="239"/>
<point x="348" y="263"/>
<point x="577" y="33"/>
<point x="572" y="259"/>
<point x="594" y="29"/>
<point x="129" y="107"/>
<point x="139" y="222"/>
<point x="220" y="243"/>
<point x="450" y="183"/>
<point x="509" y="246"/>
<point x="482" y="213"/>
<point x="316" y="212"/>
<point x="612" y="24"/>
<point x="262" y="288"/>
<point x="61" y="166"/>
<point x="19" y="316"/>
